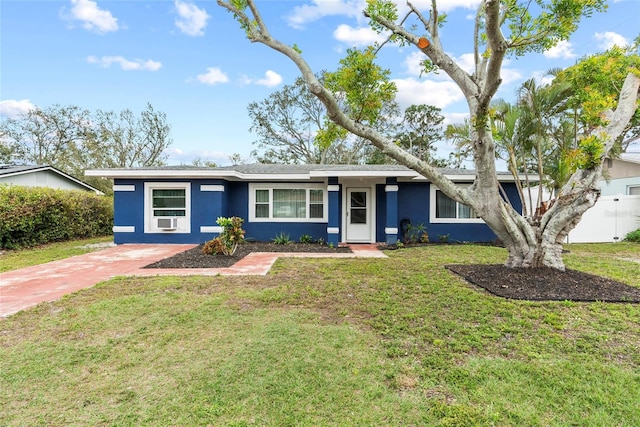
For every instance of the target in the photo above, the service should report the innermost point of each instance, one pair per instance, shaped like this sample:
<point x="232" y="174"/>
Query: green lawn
<point x="11" y="260"/>
<point x="327" y="342"/>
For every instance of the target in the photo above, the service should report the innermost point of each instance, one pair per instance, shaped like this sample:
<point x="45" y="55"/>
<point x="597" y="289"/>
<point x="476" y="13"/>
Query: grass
<point x="11" y="260"/>
<point x="327" y="342"/>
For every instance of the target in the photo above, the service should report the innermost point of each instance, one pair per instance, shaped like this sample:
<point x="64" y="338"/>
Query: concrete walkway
<point x="26" y="287"/>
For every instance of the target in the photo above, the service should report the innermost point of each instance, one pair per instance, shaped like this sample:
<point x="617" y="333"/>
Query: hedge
<point x="32" y="216"/>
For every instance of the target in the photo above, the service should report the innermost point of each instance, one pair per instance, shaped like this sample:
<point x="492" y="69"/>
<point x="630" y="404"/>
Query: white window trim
<point x="293" y="186"/>
<point x="432" y="212"/>
<point x="184" y="222"/>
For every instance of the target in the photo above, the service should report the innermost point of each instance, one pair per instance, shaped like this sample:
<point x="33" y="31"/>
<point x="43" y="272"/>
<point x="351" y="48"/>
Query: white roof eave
<point x="161" y="173"/>
<point x="235" y="175"/>
<point x="362" y="174"/>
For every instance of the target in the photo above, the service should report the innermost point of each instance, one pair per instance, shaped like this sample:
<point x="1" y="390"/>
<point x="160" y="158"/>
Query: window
<point x="169" y="202"/>
<point x="262" y="203"/>
<point x="445" y="209"/>
<point x="287" y="202"/>
<point x="316" y="203"/>
<point x="449" y="208"/>
<point x="634" y="190"/>
<point x="167" y="207"/>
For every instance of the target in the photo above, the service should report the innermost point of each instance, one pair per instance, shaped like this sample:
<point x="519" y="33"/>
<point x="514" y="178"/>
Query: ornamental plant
<point x="227" y="242"/>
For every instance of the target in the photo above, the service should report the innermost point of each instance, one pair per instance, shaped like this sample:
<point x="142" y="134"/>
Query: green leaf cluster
<point x="329" y="134"/>
<point x="227" y="242"/>
<point x="633" y="236"/>
<point x="591" y="150"/>
<point x="384" y="9"/>
<point x="33" y="216"/>
<point x="365" y="85"/>
<point x="597" y="80"/>
<point x="556" y="21"/>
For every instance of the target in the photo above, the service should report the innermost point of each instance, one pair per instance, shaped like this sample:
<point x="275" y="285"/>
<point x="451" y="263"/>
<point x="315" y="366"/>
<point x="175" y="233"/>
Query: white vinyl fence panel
<point x="609" y="220"/>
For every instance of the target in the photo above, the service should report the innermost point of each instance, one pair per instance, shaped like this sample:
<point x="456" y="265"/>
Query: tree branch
<point x="498" y="48"/>
<point x="336" y="114"/>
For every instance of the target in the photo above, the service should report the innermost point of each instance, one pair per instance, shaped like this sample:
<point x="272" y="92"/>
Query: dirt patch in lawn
<point x="194" y="258"/>
<point x="546" y="284"/>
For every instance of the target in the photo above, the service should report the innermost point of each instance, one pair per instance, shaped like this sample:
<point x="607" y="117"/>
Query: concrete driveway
<point x="26" y="287"/>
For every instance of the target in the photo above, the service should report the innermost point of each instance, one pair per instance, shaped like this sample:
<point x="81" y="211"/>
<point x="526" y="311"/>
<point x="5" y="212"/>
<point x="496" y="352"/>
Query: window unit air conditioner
<point x="167" y="223"/>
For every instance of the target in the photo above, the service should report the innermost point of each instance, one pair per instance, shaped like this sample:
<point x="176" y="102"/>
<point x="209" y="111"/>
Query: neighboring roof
<point x="260" y="171"/>
<point x="13" y="170"/>
<point x="630" y="157"/>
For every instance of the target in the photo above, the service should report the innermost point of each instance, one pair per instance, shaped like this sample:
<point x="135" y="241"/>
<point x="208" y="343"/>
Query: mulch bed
<point x="194" y="258"/>
<point x="546" y="284"/>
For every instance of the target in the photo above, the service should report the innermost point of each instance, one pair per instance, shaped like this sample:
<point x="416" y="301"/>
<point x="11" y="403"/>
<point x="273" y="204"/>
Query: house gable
<point x="42" y="176"/>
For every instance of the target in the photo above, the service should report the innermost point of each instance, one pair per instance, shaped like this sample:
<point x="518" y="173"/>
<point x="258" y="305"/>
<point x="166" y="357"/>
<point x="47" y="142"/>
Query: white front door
<point x="358" y="215"/>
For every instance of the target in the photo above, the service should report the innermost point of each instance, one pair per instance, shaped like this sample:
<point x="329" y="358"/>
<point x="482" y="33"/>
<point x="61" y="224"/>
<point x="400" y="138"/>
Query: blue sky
<point x="190" y="60"/>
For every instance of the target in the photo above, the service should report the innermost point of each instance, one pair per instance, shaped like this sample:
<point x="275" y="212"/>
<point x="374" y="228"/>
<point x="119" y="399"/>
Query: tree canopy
<point x="293" y="127"/>
<point x="74" y="139"/>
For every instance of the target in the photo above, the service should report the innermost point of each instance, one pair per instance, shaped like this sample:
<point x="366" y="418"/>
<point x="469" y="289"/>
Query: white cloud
<point x="125" y="64"/>
<point x="362" y="36"/>
<point x="321" y="8"/>
<point x="563" y="50"/>
<point x="609" y="39"/>
<point x="191" y="19"/>
<point x="213" y="76"/>
<point x="12" y="108"/>
<point x="454" y="118"/>
<point x="439" y="94"/>
<point x="318" y="9"/>
<point x="509" y="75"/>
<point x="92" y="17"/>
<point x="413" y="62"/>
<point x="271" y="79"/>
<point x="467" y="62"/>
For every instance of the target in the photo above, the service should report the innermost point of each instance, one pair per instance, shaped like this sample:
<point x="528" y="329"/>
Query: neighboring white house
<point x="42" y="176"/>
<point x="617" y="212"/>
<point x="624" y="176"/>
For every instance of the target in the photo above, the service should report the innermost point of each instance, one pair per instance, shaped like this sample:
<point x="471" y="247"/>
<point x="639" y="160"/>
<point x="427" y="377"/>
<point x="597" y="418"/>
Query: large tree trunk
<point x="537" y="242"/>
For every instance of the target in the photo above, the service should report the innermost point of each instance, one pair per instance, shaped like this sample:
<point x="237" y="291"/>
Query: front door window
<point x="358" y="207"/>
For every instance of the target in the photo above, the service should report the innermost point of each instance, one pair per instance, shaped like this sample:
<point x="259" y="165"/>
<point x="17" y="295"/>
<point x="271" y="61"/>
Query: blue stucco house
<point x="336" y="203"/>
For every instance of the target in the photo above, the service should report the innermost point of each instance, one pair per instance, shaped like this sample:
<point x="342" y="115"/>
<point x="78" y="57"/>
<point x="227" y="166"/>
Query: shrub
<point x="306" y="238"/>
<point x="227" y="242"/>
<point x="633" y="236"/>
<point x="213" y="247"/>
<point x="32" y="216"/>
<point x="416" y="234"/>
<point x="281" y="239"/>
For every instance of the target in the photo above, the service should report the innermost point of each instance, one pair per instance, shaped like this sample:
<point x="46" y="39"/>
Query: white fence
<point x="609" y="220"/>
